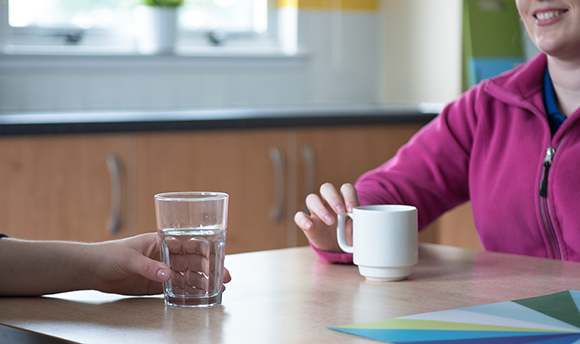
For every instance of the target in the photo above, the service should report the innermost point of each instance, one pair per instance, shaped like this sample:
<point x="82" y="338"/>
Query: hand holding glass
<point x="192" y="228"/>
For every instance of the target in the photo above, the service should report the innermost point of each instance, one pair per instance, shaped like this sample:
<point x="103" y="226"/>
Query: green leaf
<point x="163" y="3"/>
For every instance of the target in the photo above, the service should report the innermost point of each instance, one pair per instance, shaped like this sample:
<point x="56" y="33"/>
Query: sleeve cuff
<point x="333" y="257"/>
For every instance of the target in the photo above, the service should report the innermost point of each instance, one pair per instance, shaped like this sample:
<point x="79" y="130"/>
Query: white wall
<point x="339" y="67"/>
<point x="408" y="52"/>
<point x="422" y="50"/>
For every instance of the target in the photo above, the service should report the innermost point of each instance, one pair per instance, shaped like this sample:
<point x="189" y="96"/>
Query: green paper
<point x="559" y="305"/>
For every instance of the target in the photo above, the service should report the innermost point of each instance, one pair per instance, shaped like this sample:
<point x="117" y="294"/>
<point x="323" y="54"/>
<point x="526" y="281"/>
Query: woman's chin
<point x="560" y="51"/>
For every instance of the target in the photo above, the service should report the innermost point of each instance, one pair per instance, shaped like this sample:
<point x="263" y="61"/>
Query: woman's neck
<point x="566" y="79"/>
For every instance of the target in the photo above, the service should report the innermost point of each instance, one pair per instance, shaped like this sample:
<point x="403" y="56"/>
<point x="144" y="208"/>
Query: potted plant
<point x="157" y="26"/>
<point x="163" y="3"/>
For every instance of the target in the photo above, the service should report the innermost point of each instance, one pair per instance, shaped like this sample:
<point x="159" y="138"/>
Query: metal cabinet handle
<point x="278" y="163"/>
<point x="308" y="159"/>
<point x="115" y="173"/>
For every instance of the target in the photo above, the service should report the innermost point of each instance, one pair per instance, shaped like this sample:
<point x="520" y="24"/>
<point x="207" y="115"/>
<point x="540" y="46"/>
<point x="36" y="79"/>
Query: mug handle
<point x="341" y="233"/>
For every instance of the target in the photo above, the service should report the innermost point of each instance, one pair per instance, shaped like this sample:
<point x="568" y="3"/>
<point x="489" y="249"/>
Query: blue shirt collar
<point x="549" y="95"/>
<point x="555" y="118"/>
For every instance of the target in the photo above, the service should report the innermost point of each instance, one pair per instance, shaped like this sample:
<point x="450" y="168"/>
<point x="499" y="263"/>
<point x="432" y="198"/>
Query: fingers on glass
<point x="192" y="265"/>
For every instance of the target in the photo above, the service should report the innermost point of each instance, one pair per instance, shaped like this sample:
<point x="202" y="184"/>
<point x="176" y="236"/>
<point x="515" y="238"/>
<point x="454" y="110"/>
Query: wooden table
<point x="289" y="296"/>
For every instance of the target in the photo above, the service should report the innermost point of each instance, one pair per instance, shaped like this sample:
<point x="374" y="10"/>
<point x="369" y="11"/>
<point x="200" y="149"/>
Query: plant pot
<point x="156" y="29"/>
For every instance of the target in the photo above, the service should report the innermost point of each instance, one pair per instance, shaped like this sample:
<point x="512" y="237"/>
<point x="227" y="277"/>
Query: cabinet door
<point x="342" y="154"/>
<point x="237" y="162"/>
<point x="60" y="187"/>
<point x="457" y="228"/>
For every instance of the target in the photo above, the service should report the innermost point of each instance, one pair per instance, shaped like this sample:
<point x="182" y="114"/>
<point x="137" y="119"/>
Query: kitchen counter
<point x="209" y="119"/>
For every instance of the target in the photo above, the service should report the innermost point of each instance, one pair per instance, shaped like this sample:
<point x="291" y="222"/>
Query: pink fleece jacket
<point x="490" y="146"/>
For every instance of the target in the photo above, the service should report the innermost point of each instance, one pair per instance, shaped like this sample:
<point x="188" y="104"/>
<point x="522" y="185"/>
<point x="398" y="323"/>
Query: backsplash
<point x="366" y="52"/>
<point x="338" y="65"/>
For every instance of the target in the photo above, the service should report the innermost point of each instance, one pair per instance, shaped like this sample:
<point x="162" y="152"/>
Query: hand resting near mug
<point x="386" y="235"/>
<point x="320" y="226"/>
<point x="128" y="266"/>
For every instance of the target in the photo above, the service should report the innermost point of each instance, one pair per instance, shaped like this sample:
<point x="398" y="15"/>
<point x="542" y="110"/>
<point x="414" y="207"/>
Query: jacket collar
<point x="522" y="86"/>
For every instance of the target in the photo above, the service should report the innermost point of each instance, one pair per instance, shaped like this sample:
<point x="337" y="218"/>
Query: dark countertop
<point x="209" y="119"/>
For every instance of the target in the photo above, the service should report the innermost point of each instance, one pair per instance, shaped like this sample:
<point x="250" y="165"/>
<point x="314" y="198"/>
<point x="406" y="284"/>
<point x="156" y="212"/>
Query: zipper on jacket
<point x="545" y="206"/>
<point x="544" y="202"/>
<point x="549" y="228"/>
<point x="547" y="164"/>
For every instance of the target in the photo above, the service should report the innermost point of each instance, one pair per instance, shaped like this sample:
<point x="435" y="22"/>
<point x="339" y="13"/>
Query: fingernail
<point x="328" y="219"/>
<point x="163" y="274"/>
<point x="307" y="225"/>
<point x="350" y="207"/>
<point x="340" y="209"/>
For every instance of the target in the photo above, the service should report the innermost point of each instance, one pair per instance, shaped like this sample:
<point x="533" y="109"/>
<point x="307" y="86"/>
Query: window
<point x="111" y="23"/>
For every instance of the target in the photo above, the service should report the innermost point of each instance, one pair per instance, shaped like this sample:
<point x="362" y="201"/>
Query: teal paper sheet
<point x="547" y="319"/>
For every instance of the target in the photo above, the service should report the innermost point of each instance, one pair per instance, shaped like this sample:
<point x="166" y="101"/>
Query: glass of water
<point x="192" y="228"/>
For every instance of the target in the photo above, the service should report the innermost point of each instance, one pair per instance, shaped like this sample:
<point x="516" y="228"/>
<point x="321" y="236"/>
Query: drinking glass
<point x="192" y="228"/>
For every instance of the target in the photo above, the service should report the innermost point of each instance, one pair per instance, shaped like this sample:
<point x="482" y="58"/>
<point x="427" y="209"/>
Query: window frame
<point x="103" y="41"/>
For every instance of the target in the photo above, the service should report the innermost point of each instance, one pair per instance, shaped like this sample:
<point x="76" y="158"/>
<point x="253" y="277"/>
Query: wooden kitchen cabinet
<point x="457" y="228"/>
<point x="236" y="162"/>
<point x="266" y="172"/>
<point x="60" y="187"/>
<point x="342" y="154"/>
<point x="66" y="187"/>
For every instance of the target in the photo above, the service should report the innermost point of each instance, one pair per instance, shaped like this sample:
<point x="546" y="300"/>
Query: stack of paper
<point x="547" y="319"/>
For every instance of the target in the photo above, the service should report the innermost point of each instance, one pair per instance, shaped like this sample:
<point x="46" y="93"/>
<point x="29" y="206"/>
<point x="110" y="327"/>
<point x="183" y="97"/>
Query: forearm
<point x="42" y="267"/>
<point x="430" y="172"/>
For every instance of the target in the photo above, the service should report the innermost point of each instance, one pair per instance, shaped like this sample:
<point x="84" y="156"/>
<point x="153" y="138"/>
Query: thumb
<point x="151" y="269"/>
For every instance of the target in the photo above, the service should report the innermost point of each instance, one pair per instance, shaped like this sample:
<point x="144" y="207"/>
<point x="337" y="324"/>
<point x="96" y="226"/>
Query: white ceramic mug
<point x="385" y="240"/>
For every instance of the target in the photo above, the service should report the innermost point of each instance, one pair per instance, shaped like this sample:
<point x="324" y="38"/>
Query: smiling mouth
<point x="548" y="15"/>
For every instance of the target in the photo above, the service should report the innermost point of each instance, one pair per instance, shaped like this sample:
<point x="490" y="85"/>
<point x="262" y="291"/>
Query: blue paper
<point x="526" y="321"/>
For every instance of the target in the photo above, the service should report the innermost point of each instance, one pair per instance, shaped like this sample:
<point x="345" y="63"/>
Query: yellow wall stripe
<point x="364" y="5"/>
<point x="288" y="3"/>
